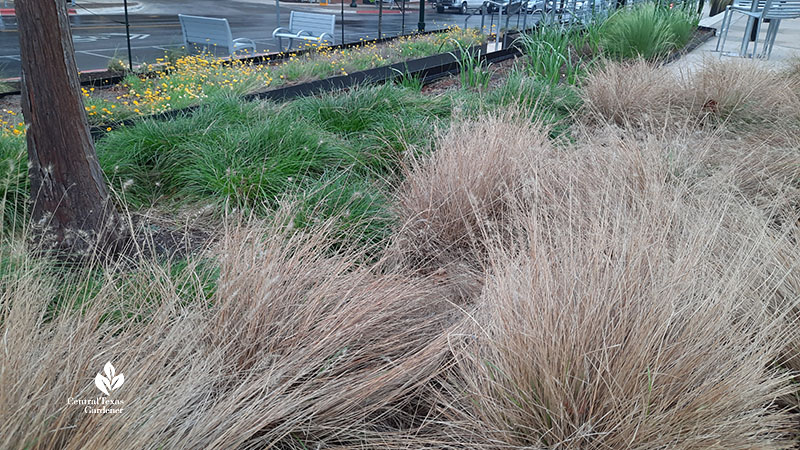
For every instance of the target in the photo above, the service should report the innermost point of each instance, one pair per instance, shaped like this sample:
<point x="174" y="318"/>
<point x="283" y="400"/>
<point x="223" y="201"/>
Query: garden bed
<point x="537" y="253"/>
<point x="190" y="80"/>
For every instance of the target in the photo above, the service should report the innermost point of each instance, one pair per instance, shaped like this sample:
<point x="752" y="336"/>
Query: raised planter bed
<point x="427" y="69"/>
<point x="106" y="78"/>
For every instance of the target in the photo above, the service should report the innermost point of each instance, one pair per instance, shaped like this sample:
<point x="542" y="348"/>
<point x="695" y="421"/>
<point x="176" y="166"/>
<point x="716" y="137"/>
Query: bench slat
<point x="206" y="31"/>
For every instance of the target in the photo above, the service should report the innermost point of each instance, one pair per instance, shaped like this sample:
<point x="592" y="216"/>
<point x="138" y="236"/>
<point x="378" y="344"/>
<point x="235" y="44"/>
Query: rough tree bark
<point x="71" y="208"/>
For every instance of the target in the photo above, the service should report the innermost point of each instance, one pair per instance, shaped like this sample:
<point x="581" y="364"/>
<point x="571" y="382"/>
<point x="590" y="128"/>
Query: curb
<point x="11" y="12"/>
<point x="707" y="34"/>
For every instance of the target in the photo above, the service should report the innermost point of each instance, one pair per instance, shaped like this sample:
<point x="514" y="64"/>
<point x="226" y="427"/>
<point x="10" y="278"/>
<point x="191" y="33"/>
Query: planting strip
<point x="427" y="69"/>
<point x="108" y="78"/>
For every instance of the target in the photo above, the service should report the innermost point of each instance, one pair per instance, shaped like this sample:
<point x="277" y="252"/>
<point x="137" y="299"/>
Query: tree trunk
<point x="71" y="207"/>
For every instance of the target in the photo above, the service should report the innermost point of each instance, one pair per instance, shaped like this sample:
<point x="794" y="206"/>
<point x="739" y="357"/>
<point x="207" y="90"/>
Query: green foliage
<point x="6" y="87"/>
<point x="232" y="151"/>
<point x="252" y="155"/>
<point x="472" y="72"/>
<point x="380" y="124"/>
<point x="560" y="55"/>
<point x="407" y="81"/>
<point x="358" y="206"/>
<point x="117" y="64"/>
<point x="648" y="31"/>
<point x="14" y="185"/>
<point x="552" y="105"/>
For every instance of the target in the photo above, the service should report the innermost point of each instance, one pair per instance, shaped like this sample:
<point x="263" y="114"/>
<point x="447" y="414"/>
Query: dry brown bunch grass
<point x="631" y="93"/>
<point x="296" y="349"/>
<point x="739" y="93"/>
<point x="638" y="313"/>
<point x="455" y="201"/>
<point x="628" y="289"/>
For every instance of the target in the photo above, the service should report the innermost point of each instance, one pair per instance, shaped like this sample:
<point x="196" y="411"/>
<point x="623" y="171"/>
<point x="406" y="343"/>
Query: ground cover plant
<point x="450" y="269"/>
<point x="249" y="156"/>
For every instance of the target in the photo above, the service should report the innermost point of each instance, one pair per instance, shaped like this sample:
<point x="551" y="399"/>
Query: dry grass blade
<point x="297" y="348"/>
<point x="633" y="318"/>
<point x="455" y="200"/>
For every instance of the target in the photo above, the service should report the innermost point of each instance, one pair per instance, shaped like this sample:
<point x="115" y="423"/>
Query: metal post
<point x="278" y="16"/>
<point x="380" y="18"/>
<point x="128" y="35"/>
<point x="525" y="18"/>
<point x="342" y="22"/>
<point x="421" y="23"/>
<point x="499" y="26"/>
<point x="403" y="20"/>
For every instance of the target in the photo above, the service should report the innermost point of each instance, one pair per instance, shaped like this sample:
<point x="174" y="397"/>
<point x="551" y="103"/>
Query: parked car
<point x="463" y="6"/>
<point x="516" y="5"/>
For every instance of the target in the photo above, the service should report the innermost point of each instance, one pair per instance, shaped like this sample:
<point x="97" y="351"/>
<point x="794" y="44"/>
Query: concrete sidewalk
<point x="786" y="49"/>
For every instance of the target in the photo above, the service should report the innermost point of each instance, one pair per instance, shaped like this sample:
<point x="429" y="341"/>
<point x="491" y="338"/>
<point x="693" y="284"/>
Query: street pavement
<point x="99" y="31"/>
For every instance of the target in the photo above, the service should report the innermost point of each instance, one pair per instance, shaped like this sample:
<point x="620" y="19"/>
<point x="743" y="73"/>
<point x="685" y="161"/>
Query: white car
<point x="463" y="6"/>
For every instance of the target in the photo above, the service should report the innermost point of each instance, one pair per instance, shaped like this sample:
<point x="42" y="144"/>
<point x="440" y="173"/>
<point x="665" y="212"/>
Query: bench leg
<point x="290" y="44"/>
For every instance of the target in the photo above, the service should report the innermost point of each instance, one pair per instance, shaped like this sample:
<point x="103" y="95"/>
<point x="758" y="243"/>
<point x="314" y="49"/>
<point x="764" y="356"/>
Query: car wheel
<point x="464" y="8"/>
<point x="439" y="9"/>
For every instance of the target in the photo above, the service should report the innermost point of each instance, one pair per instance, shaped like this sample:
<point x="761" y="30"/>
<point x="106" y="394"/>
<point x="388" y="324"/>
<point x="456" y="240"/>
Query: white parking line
<point x="115" y="49"/>
<point x="86" y="52"/>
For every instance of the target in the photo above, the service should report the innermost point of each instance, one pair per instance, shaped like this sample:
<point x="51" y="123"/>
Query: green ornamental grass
<point x="648" y="31"/>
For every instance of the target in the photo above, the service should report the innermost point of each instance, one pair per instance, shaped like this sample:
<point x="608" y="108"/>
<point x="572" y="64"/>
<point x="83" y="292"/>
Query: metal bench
<point x="308" y="27"/>
<point x="210" y="31"/>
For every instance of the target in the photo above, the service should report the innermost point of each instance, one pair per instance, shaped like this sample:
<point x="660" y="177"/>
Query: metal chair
<point x="772" y="10"/>
<point x="741" y="6"/>
<point x="779" y="10"/>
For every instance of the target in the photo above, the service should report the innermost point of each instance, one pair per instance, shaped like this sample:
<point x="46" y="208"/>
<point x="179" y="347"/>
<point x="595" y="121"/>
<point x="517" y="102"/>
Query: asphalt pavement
<point x="99" y="32"/>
